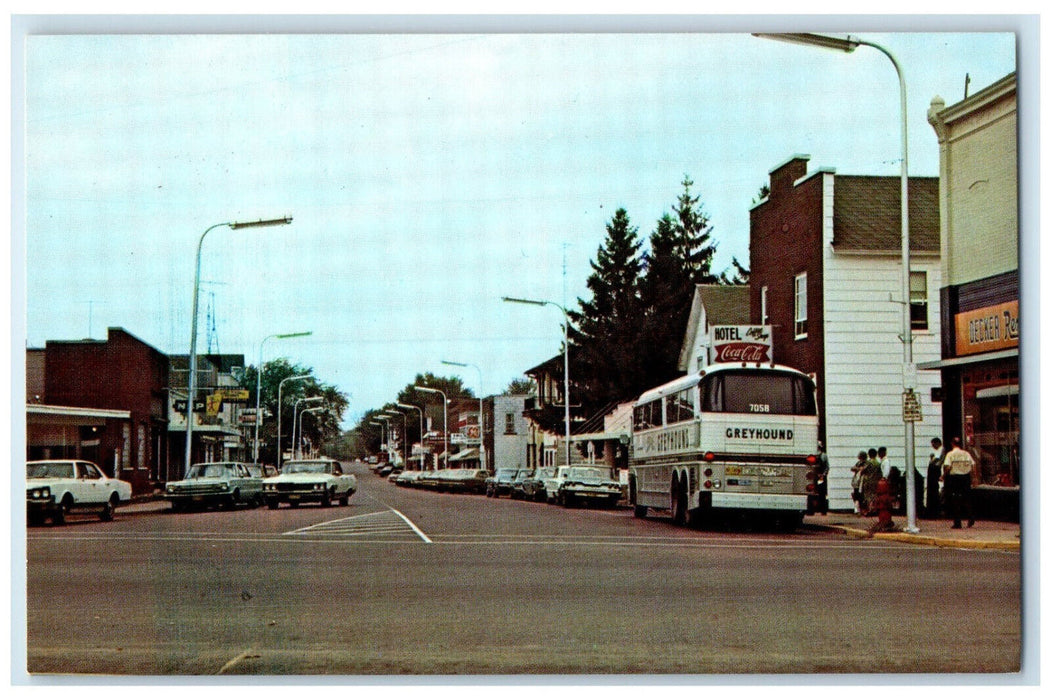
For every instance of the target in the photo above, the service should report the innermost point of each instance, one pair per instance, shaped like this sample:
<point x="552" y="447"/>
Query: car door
<point x="342" y="480"/>
<point x="88" y="483"/>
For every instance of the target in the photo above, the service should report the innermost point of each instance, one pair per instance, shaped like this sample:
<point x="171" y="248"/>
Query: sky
<point x="427" y="175"/>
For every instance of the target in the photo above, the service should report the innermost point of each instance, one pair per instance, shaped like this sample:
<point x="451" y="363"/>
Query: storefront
<point x="980" y="385"/>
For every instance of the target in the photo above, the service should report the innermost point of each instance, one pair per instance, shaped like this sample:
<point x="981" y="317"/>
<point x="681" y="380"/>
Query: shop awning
<point x="993" y="392"/>
<point x="465" y="455"/>
<point x="970" y="359"/>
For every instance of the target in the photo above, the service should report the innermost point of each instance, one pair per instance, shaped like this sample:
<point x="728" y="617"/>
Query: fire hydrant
<point x="882" y="504"/>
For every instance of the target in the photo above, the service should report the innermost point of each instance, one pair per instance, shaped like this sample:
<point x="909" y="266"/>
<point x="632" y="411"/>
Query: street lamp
<point x="410" y="406"/>
<point x="387" y="431"/>
<point x="298" y="447"/>
<point x="908" y="367"/>
<point x="481" y="409"/>
<point x="383" y="433"/>
<point x="259" y="384"/>
<point x="280" y="386"/>
<point x="565" y="359"/>
<point x="445" y="414"/>
<point x="192" y="382"/>
<point x="405" y="431"/>
<point x="295" y="411"/>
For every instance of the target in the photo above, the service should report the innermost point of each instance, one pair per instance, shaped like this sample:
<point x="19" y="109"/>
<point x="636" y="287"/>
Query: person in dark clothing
<point x="932" y="508"/>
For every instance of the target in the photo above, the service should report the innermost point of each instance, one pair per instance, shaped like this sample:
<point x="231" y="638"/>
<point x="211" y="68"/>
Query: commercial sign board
<point x="988" y="328"/>
<point x="233" y="395"/>
<point x="741" y="344"/>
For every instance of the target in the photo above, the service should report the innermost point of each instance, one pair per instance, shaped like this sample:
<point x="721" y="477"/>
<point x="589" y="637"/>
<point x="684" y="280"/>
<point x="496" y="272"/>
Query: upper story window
<point x="509" y="424"/>
<point x="800" y="306"/>
<point x="918" y="307"/>
<point x="764" y="313"/>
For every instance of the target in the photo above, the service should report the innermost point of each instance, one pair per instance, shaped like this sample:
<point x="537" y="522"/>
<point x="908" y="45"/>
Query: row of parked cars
<point x="56" y="488"/>
<point x="229" y="484"/>
<point x="577" y="484"/>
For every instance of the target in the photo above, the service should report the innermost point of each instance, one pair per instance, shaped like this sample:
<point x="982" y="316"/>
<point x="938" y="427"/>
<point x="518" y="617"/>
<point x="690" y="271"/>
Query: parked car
<point x="225" y="484"/>
<point x="394" y="474"/>
<point x="499" y="484"/>
<point x="553" y="482"/>
<point x="464" y="480"/>
<point x="263" y="471"/>
<point x="408" y="478"/>
<point x="533" y="485"/>
<point x="588" y="485"/>
<point x="307" y="480"/>
<point x="55" y="488"/>
<point x="429" y="479"/>
<point x="518" y="483"/>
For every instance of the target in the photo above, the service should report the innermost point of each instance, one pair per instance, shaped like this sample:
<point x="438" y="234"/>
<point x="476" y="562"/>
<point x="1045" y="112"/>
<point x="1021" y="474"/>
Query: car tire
<point x="273" y="504"/>
<point x="326" y="500"/>
<point x="344" y="499"/>
<point x="58" y="517"/>
<point x="106" y="514"/>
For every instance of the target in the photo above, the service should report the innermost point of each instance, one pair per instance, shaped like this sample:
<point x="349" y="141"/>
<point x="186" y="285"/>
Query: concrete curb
<point x="927" y="540"/>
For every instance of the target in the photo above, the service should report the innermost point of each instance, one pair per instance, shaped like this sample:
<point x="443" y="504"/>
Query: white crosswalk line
<point x="385" y="522"/>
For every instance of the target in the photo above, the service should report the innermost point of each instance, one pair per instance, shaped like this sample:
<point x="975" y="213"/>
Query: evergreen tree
<point x="604" y="332"/>
<point x="680" y="258"/>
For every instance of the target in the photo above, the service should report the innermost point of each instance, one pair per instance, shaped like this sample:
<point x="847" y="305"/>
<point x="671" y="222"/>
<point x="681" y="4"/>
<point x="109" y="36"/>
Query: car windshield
<point x="44" y="470"/>
<point x="505" y="473"/>
<point x="208" y="471"/>
<point x="585" y="473"/>
<point x="306" y="468"/>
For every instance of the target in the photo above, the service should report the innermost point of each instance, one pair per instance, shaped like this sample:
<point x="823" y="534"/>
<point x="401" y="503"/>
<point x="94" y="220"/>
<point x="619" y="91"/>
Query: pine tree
<point x="603" y="333"/>
<point x="680" y="258"/>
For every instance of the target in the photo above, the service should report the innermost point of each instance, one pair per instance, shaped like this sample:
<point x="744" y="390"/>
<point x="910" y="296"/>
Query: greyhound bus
<point x="733" y="437"/>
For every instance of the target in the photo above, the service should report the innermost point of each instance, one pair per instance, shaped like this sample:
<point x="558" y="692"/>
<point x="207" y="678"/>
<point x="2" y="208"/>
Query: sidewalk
<point x="986" y="534"/>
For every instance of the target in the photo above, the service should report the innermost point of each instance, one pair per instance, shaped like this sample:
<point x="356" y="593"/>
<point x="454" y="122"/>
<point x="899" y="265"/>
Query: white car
<point x="588" y="484"/>
<point x="307" y="480"/>
<point x="224" y="484"/>
<point x="57" y="487"/>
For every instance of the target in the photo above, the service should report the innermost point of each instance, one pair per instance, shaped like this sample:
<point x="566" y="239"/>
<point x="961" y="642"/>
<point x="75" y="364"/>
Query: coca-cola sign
<point x="741" y="344"/>
<point x="742" y="352"/>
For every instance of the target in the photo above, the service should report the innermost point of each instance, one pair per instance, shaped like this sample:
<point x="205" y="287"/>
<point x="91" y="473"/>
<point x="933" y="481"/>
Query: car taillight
<point x="810" y="487"/>
<point x="811" y="475"/>
<point x="709" y="456"/>
<point x="811" y="459"/>
<point x="708" y="471"/>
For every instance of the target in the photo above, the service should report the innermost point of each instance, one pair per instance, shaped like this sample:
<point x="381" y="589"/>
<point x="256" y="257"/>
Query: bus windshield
<point x="771" y="393"/>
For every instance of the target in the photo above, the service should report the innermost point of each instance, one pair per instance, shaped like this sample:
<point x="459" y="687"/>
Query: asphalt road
<point x="411" y="582"/>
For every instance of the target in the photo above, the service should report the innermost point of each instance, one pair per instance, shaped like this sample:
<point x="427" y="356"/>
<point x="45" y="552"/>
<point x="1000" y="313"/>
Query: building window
<point x="918" y="299"/>
<point x="800" y="296"/>
<point x="764" y="315"/>
<point x="509" y="424"/>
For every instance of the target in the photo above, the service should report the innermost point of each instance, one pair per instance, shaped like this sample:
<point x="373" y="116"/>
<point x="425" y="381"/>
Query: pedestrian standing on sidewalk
<point x="857" y="479"/>
<point x="934" y="474"/>
<point x="959" y="466"/>
<point x="870" y="478"/>
<point x="821" y="469"/>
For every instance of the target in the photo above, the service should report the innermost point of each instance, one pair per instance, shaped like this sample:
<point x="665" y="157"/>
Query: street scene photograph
<point x="560" y="350"/>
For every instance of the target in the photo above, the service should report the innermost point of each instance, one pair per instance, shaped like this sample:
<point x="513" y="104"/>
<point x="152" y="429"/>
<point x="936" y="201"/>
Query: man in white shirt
<point x="958" y="470"/>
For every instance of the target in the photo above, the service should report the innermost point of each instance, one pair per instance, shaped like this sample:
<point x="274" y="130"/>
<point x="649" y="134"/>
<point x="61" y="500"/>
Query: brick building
<point x="826" y="275"/>
<point x="120" y="374"/>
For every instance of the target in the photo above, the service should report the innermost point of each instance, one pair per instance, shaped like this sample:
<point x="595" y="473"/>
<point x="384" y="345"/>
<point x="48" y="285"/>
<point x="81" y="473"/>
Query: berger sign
<point x="741" y="344"/>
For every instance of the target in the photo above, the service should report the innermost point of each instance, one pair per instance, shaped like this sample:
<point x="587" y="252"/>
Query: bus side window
<point x="712" y="398"/>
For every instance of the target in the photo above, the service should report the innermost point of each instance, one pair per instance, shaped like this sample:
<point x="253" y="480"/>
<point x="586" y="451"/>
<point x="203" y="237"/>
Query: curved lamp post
<point x="410" y="406"/>
<point x="908" y="368"/>
<point x="259" y="385"/>
<point x="481" y="409"/>
<point x="295" y="412"/>
<point x="405" y="431"/>
<point x="305" y="411"/>
<point x="280" y="386"/>
<point x="388" y="432"/>
<point x="192" y="380"/>
<point x="445" y="414"/>
<point x="383" y="431"/>
<point x="565" y="358"/>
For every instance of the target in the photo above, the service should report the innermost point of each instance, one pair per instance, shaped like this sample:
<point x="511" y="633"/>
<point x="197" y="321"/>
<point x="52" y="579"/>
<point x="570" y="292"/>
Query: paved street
<point x="405" y="581"/>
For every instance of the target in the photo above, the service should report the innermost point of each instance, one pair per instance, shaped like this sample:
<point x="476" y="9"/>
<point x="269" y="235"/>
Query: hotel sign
<point x="987" y="329"/>
<point x="741" y="344"/>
